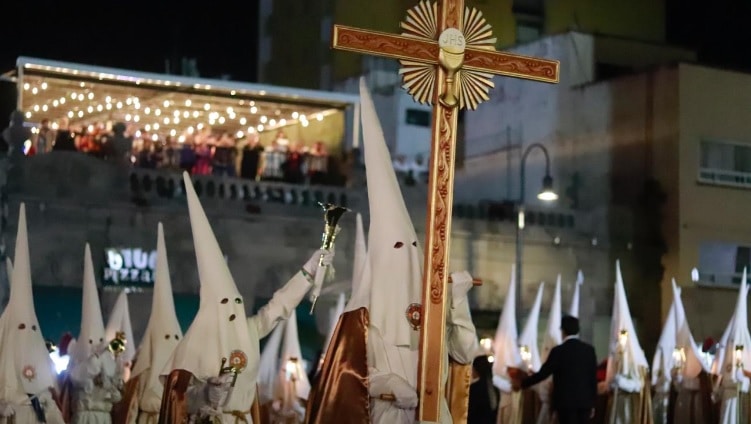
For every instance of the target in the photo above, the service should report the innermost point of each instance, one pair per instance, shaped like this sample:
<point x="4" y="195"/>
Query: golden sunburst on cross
<point x="448" y="59"/>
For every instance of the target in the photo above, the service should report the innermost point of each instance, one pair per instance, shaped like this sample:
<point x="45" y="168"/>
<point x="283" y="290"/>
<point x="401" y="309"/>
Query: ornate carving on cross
<point x="448" y="60"/>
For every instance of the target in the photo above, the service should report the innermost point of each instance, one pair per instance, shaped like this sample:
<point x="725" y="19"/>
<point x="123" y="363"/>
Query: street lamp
<point x="546" y="194"/>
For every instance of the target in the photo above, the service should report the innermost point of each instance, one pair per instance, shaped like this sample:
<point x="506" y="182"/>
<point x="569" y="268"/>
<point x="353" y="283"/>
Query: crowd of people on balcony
<point x="199" y="152"/>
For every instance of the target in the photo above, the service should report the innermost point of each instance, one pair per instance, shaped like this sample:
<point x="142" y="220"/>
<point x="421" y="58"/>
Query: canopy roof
<point x="164" y="104"/>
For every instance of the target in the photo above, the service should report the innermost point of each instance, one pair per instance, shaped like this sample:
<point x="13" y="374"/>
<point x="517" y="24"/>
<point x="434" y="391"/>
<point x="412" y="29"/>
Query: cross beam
<point x="447" y="56"/>
<point x="402" y="47"/>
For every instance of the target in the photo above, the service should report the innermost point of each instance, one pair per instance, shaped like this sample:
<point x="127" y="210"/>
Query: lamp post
<point x="546" y="194"/>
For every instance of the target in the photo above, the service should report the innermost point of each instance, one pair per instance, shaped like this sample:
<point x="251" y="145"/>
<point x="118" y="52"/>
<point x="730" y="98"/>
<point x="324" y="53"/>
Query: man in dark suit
<point x="573" y="365"/>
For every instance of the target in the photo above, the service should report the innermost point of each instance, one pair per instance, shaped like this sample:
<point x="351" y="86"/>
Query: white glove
<point x="6" y="409"/>
<point x="404" y="394"/>
<point x="629" y="385"/>
<point x="461" y="282"/>
<point x="502" y="384"/>
<point x="217" y="389"/>
<point x="312" y="265"/>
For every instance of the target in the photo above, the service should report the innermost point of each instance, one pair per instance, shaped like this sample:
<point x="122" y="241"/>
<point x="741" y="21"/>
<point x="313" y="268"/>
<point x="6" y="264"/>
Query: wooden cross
<point x="448" y="60"/>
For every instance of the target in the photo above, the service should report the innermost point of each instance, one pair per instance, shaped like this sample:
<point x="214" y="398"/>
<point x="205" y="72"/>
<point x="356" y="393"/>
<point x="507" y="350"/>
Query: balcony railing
<point x="719" y="280"/>
<point x="725" y="177"/>
<point x="147" y="183"/>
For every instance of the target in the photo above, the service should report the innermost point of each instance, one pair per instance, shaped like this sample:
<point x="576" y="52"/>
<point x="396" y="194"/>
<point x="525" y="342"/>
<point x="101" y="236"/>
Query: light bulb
<point x="119" y="105"/>
<point x="26" y="86"/>
<point x="232" y="93"/>
<point x="36" y="108"/>
<point x="90" y="96"/>
<point x="154" y="137"/>
<point x="181" y="139"/>
<point x="172" y="132"/>
<point x="264" y="119"/>
<point x="157" y="112"/>
<point x="128" y="117"/>
<point x="206" y="106"/>
<point x="147" y="110"/>
<point x="80" y="114"/>
<point x="128" y="101"/>
<point x="176" y="113"/>
<point x="260" y="127"/>
<point x="109" y="106"/>
<point x="28" y="115"/>
<point x="80" y="97"/>
<point x="136" y="118"/>
<point x="62" y="100"/>
<point x="147" y="127"/>
<point x="272" y="122"/>
<point x="221" y="119"/>
<point x="304" y="123"/>
<point x="243" y="121"/>
<point x="230" y="110"/>
<point x="138" y="133"/>
<point x="99" y="108"/>
<point x="156" y="126"/>
<point x="165" y="103"/>
<point x="186" y="114"/>
<point x="196" y="114"/>
<point x="70" y="114"/>
<point x="319" y="117"/>
<point x="188" y="103"/>
<point x="251" y="130"/>
<point x="90" y="109"/>
<point x="295" y="115"/>
<point x="73" y="95"/>
<point x="34" y="90"/>
<point x="137" y="106"/>
<point x="166" y="121"/>
<point x="108" y="99"/>
<point x="190" y="130"/>
<point x="253" y="109"/>
<point x="55" y="103"/>
<point x="199" y="126"/>
<point x="240" y="134"/>
<point x="282" y="122"/>
<point x="44" y="86"/>
<point x="176" y="120"/>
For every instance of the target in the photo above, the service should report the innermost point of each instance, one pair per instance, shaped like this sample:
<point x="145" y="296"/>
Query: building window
<point x="420" y="118"/>
<point x="722" y="264"/>
<point x="725" y="163"/>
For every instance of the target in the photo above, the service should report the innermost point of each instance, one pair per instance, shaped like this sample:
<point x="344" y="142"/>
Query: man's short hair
<point x="570" y="325"/>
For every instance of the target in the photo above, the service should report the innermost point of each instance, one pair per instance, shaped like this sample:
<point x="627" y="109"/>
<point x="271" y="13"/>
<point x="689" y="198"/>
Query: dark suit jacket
<point x="573" y="365"/>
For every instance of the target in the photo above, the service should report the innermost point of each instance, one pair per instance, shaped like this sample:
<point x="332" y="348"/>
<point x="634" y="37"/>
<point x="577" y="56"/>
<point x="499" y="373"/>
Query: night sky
<point x="136" y="34"/>
<point x="222" y="34"/>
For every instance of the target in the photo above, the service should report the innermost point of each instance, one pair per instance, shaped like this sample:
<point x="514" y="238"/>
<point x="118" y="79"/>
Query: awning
<point x="168" y="104"/>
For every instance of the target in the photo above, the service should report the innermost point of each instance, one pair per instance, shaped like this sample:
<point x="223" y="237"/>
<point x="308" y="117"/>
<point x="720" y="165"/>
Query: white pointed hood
<point x="505" y="347"/>
<point x="291" y="350"/>
<point x="220" y="328"/>
<point x="739" y="335"/>
<point x="25" y="364"/>
<point x="163" y="331"/>
<point x="361" y="253"/>
<point x="393" y="250"/>
<point x="118" y="321"/>
<point x="662" y="363"/>
<point x="9" y="271"/>
<point x="722" y="345"/>
<point x="553" y="335"/>
<point x="574" y="308"/>
<point x="268" y="365"/>
<point x="528" y="337"/>
<point x="693" y="363"/>
<point x="334" y="314"/>
<point x="633" y="356"/>
<point x="92" y="324"/>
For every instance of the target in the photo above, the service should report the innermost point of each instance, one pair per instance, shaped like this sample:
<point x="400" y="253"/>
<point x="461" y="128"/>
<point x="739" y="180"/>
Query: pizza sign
<point x="129" y="267"/>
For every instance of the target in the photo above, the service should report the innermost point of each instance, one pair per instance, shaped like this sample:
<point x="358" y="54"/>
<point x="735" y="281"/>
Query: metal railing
<point x="725" y="177"/>
<point x="147" y="183"/>
<point x="719" y="280"/>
